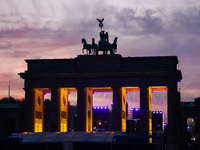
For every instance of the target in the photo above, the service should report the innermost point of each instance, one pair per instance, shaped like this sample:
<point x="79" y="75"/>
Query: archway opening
<point x="102" y="108"/>
<point x="47" y="109"/>
<point x="72" y="109"/>
<point x="158" y="99"/>
<point x="132" y="109"/>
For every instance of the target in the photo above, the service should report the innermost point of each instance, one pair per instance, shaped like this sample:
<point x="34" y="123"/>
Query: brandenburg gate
<point x="87" y="74"/>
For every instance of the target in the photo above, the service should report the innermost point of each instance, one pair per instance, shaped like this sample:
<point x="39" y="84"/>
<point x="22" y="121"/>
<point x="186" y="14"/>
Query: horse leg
<point x="111" y="51"/>
<point x="104" y="52"/>
<point x="93" y="51"/>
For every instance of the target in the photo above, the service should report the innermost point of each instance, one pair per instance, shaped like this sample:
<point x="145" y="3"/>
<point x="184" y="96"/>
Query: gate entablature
<point x="112" y="72"/>
<point x="103" y="63"/>
<point x="101" y="71"/>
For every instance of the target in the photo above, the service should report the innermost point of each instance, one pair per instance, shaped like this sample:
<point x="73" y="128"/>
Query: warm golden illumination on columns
<point x="89" y="106"/>
<point x="38" y="97"/>
<point x="150" y="112"/>
<point x="63" y="102"/>
<point x="123" y="98"/>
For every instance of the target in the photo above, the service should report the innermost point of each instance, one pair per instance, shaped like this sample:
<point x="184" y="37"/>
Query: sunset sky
<point x="37" y="29"/>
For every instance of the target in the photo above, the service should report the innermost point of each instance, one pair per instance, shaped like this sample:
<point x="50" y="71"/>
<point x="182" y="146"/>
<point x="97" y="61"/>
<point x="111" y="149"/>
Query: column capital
<point x="80" y="87"/>
<point x="28" y="89"/>
<point x="116" y="86"/>
<point x="54" y="88"/>
<point x="143" y="86"/>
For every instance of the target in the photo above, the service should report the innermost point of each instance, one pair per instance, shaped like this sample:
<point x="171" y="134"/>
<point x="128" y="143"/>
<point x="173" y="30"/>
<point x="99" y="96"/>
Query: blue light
<point x="100" y="107"/>
<point x="160" y="112"/>
<point x="131" y="109"/>
<point x="136" y="109"/>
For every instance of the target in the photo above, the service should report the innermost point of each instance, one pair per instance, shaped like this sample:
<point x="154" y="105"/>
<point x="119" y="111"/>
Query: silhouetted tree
<point x="7" y="100"/>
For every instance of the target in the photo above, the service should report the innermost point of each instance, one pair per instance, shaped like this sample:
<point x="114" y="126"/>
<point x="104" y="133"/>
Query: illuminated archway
<point x="150" y="90"/>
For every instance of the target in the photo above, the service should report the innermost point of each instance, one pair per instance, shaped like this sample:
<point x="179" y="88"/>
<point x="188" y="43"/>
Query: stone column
<point x="38" y="97"/>
<point x="123" y="99"/>
<point x="63" y="109"/>
<point x="81" y="109"/>
<point x="145" y="110"/>
<point x="172" y="131"/>
<point x="84" y="109"/>
<point x="54" y="120"/>
<point x="89" y="109"/>
<point x="119" y="109"/>
<point x="183" y="135"/>
<point x="28" y="122"/>
<point x="59" y="110"/>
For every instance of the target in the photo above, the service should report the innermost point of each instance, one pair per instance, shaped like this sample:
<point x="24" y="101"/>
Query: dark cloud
<point x="130" y="22"/>
<point x="187" y="20"/>
<point x="158" y="21"/>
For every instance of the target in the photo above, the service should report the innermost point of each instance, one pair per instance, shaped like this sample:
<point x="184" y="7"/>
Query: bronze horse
<point x="86" y="46"/>
<point x="105" y="46"/>
<point x="94" y="46"/>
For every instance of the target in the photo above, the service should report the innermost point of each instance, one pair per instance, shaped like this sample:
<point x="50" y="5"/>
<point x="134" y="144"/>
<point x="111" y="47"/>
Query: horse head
<point x="115" y="40"/>
<point x="83" y="40"/>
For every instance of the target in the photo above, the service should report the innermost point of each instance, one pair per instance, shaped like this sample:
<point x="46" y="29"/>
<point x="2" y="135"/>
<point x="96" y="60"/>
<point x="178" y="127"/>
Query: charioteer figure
<point x="103" y="44"/>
